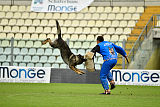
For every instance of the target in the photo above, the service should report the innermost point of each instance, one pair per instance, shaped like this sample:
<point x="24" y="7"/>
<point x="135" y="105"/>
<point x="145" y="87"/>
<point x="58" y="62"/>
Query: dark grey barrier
<point x="69" y="76"/>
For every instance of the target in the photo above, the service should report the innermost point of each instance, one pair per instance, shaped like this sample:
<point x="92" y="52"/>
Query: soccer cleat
<point x="112" y="86"/>
<point x="106" y="92"/>
<point x="112" y="83"/>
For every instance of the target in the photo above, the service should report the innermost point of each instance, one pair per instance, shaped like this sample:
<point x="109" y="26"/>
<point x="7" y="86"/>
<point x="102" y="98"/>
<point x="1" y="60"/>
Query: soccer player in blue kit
<point x="109" y="52"/>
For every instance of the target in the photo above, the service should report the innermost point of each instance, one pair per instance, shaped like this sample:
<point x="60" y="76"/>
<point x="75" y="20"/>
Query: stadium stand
<point x="139" y="26"/>
<point x="30" y="28"/>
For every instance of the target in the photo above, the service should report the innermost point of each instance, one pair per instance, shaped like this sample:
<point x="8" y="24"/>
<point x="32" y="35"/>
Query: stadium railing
<point x="152" y="23"/>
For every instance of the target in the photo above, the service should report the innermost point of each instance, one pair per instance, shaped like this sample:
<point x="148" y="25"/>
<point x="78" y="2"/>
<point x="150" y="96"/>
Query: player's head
<point x="100" y="39"/>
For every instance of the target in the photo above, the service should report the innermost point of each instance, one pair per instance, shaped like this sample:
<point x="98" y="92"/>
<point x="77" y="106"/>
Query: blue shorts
<point x="105" y="74"/>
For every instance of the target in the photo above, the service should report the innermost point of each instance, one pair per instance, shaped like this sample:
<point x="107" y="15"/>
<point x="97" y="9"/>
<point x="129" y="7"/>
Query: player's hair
<point x="100" y="38"/>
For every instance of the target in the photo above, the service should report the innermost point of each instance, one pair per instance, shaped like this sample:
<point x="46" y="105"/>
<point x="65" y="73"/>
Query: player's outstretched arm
<point x="121" y="51"/>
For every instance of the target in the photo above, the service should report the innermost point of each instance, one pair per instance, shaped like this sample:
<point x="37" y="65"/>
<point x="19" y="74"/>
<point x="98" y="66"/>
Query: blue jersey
<point x="109" y="50"/>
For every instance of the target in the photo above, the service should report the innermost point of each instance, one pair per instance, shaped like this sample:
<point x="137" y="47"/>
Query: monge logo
<point x="62" y="8"/>
<point x="38" y="1"/>
<point x="135" y="76"/>
<point x="21" y="73"/>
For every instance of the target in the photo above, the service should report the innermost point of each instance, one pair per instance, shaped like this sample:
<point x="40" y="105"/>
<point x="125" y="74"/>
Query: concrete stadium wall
<point x="121" y="77"/>
<point x="154" y="62"/>
<point x="69" y="76"/>
<point x="126" y="3"/>
<point x="95" y="3"/>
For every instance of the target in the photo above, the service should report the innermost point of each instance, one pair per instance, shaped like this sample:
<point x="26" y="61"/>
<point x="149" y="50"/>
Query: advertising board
<point x="25" y="74"/>
<point x="136" y="77"/>
<point x="59" y="5"/>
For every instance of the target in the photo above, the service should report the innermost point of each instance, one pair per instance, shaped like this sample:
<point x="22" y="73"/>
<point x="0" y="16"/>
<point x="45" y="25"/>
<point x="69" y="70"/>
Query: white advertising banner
<point x="25" y="74"/>
<point x="59" y="5"/>
<point x="136" y="77"/>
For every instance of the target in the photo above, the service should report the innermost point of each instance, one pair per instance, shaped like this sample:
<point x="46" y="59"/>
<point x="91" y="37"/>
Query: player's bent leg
<point x="104" y="82"/>
<point x="111" y="81"/>
<point x="109" y="76"/>
<point x="105" y="85"/>
<point x="103" y="77"/>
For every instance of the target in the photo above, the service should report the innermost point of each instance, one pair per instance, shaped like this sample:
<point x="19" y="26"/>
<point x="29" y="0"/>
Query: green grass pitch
<point x="76" y="95"/>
